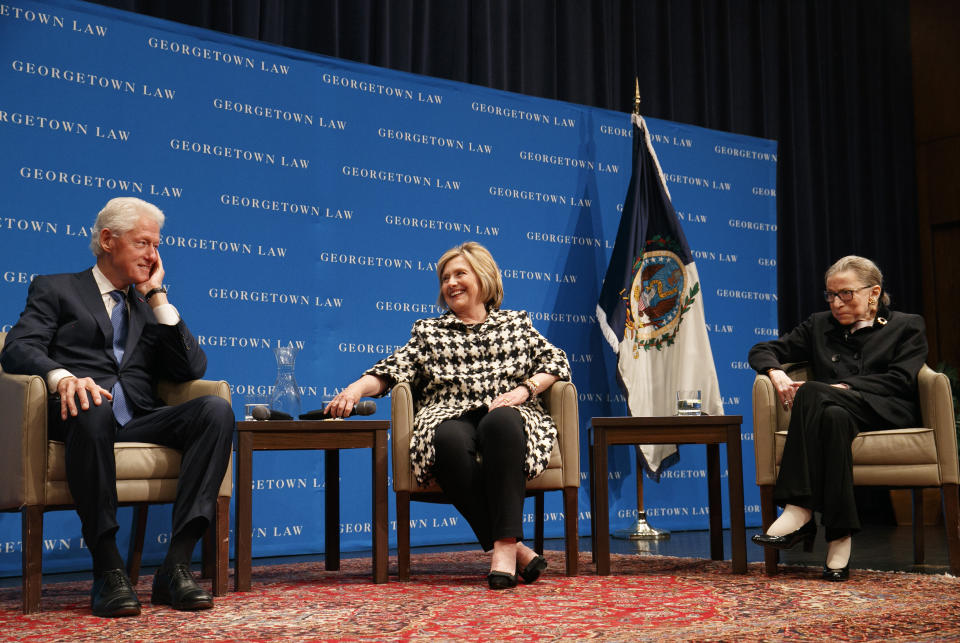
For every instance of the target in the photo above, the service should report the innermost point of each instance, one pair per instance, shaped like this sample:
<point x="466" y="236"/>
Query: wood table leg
<point x="244" y="519"/>
<point x="332" y="513"/>
<point x="221" y="546"/>
<point x="380" y="518"/>
<point x="593" y="504"/>
<point x="715" y="502"/>
<point x="601" y="518"/>
<point x="738" y="530"/>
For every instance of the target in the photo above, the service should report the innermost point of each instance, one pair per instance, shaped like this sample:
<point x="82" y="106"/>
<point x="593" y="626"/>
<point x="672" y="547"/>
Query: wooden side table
<point x="330" y="436"/>
<point x="703" y="429"/>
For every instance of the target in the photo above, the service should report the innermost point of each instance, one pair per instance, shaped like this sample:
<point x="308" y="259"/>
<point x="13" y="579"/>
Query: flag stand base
<point x="642" y="530"/>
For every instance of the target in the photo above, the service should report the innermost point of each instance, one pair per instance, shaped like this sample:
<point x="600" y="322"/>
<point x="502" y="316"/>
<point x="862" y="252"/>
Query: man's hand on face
<point x="155" y="280"/>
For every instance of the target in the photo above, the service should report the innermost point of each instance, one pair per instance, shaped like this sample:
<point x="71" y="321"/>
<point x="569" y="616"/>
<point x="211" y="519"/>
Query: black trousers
<point x="479" y="466"/>
<point x="201" y="429"/>
<point x="816" y="470"/>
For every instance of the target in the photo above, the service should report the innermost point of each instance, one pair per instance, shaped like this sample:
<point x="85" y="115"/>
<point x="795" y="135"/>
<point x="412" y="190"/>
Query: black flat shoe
<point x="177" y="588"/>
<point x="533" y="569"/>
<point x="807" y="533"/>
<point x="112" y="595"/>
<point x="836" y="575"/>
<point x="501" y="580"/>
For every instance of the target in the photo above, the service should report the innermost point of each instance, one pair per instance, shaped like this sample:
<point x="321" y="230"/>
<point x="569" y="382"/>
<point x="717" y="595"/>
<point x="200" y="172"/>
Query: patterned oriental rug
<point x="650" y="598"/>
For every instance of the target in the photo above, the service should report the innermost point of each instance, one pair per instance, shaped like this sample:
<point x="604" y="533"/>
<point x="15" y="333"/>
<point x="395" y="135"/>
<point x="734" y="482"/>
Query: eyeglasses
<point x="844" y="295"/>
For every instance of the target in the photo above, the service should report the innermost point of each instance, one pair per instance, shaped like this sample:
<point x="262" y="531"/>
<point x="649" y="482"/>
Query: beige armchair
<point x="563" y="473"/>
<point x="918" y="457"/>
<point x="34" y="478"/>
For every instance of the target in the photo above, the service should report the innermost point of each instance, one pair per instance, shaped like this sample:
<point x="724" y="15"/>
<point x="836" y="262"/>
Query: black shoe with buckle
<point x="836" y="575"/>
<point x="112" y="595"/>
<point x="176" y="587"/>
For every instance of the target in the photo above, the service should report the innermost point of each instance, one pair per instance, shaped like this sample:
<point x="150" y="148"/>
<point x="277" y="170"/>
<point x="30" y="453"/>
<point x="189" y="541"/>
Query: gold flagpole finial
<point x="636" y="97"/>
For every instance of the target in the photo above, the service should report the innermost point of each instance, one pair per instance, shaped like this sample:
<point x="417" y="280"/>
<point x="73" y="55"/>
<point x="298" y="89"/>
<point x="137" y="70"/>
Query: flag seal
<point x="658" y="297"/>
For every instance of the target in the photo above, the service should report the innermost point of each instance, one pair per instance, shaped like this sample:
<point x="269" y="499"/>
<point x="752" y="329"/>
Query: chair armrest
<point x="560" y="401"/>
<point x="768" y="418"/>
<point x="179" y="392"/>
<point x="401" y="428"/>
<point x="23" y="434"/>
<point x="764" y="426"/>
<point x="936" y="406"/>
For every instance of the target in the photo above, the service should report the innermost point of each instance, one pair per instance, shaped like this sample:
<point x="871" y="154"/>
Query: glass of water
<point x="688" y="402"/>
<point x="252" y="402"/>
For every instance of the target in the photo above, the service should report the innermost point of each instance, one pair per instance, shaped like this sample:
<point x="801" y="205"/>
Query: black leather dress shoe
<point x="112" y="595"/>
<point x="177" y="588"/>
<point x="806" y="534"/>
<point x="501" y="580"/>
<point x="533" y="569"/>
<point x="836" y="575"/>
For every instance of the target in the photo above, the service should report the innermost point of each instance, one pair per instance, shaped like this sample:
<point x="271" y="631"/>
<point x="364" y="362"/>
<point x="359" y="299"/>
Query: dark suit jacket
<point x="65" y="325"/>
<point x="880" y="361"/>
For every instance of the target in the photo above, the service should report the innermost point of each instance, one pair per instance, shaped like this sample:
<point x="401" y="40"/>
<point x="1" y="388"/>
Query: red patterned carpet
<point x="650" y="598"/>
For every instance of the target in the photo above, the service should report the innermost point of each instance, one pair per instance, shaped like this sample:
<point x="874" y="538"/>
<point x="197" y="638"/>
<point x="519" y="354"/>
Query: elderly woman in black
<point x="864" y="361"/>
<point x="480" y="429"/>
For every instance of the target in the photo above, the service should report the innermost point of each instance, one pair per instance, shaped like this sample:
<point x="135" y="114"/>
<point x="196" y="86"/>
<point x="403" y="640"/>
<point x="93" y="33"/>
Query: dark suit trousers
<point x="201" y="429"/>
<point x="816" y="470"/>
<point x="479" y="466"/>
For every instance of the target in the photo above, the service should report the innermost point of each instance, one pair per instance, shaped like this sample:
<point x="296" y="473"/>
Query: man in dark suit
<point x="102" y="338"/>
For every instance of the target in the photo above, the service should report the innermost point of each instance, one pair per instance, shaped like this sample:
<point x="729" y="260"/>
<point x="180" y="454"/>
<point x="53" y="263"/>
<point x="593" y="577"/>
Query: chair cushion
<point x="135" y="461"/>
<point x="898" y="457"/>
<point x="893" y="447"/>
<point x="555" y="461"/>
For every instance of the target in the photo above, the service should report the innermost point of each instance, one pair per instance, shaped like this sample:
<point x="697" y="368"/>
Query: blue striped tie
<point x="121" y="410"/>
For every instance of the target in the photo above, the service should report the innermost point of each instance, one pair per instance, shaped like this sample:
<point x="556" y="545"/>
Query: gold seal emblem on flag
<point x="657" y="300"/>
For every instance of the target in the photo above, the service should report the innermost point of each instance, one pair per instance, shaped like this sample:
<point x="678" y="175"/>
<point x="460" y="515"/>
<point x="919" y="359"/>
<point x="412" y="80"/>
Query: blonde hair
<point x="866" y="271"/>
<point x="482" y="263"/>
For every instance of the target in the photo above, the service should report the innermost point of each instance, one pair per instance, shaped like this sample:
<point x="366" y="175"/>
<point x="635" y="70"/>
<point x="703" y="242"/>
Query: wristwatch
<point x="153" y="292"/>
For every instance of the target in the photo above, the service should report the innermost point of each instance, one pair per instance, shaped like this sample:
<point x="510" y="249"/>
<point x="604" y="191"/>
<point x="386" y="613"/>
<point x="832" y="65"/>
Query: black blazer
<point x="880" y="361"/>
<point x="65" y="325"/>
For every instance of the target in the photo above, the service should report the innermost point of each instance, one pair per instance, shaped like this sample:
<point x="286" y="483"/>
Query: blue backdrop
<point x="307" y="199"/>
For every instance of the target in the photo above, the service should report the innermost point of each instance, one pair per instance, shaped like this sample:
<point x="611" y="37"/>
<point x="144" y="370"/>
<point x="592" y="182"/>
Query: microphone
<point x="263" y="413"/>
<point x="363" y="407"/>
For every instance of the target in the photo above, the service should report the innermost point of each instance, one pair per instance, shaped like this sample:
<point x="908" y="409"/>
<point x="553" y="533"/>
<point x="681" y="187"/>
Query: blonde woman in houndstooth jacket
<point x="480" y="429"/>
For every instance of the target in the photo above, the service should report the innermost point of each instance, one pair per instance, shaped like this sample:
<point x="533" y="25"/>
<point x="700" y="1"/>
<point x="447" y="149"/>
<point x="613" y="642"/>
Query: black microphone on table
<point x="363" y="407"/>
<point x="264" y="413"/>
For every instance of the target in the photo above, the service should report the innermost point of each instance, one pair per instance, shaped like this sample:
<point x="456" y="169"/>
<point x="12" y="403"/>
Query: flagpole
<point x="642" y="530"/>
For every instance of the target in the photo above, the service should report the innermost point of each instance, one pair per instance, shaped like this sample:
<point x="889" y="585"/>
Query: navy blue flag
<point x="651" y="308"/>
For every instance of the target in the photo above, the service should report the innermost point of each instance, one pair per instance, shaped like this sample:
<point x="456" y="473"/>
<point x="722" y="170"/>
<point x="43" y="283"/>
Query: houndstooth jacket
<point x="454" y="368"/>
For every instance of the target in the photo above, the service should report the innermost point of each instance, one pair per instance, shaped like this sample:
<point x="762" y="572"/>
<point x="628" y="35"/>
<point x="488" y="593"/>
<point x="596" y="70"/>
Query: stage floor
<point x="884" y="548"/>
